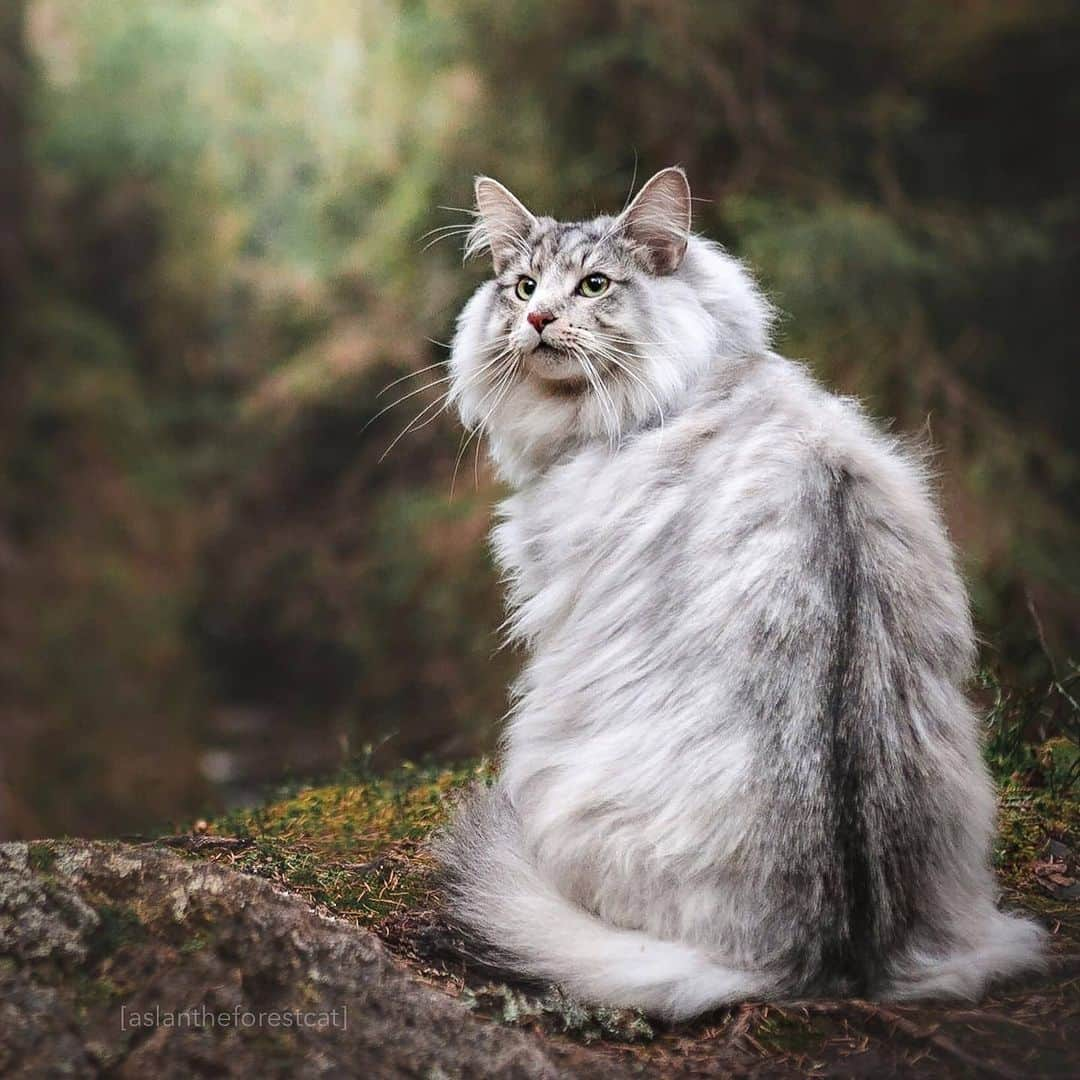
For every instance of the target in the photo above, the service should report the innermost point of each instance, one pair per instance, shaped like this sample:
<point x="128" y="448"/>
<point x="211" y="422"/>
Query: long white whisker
<point x="633" y="181"/>
<point x="405" y="397"/>
<point x="474" y="376"/>
<point x="613" y="354"/>
<point x="500" y="390"/>
<point x="476" y="464"/>
<point x="631" y="341"/>
<point x="460" y="230"/>
<point x="410" y="375"/>
<point x="455" y="226"/>
<point x="438" y="403"/>
<point x="614" y="359"/>
<point x="595" y="381"/>
<point x="616" y="412"/>
<point x="471" y="431"/>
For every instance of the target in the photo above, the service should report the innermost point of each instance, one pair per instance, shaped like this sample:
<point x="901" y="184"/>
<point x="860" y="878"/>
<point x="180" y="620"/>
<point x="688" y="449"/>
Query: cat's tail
<point x="496" y="893"/>
<point x="993" y="945"/>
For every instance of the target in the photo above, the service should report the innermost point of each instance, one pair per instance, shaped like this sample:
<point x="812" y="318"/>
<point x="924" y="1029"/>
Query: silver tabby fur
<point x="739" y="760"/>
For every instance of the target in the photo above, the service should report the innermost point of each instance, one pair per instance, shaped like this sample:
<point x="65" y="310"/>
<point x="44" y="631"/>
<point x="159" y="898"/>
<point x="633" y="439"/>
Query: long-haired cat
<point x="739" y="761"/>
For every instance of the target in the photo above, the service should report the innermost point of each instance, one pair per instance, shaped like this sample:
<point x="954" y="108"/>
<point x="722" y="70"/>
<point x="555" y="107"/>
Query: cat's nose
<point x="539" y="319"/>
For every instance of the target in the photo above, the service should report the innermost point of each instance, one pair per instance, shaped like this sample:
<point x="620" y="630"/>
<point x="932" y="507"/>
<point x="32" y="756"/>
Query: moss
<point x="1027" y="820"/>
<point x="782" y="1033"/>
<point x="92" y="991"/>
<point x="118" y="925"/>
<point x="41" y="857"/>
<point x="353" y="847"/>
<point x="195" y="943"/>
<point x="556" y="1013"/>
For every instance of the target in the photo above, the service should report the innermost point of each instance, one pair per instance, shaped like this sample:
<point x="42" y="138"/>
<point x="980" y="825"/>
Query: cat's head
<point x="593" y="330"/>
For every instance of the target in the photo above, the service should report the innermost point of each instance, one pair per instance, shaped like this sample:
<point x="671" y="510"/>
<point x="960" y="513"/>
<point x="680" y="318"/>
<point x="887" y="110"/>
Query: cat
<point x="739" y="762"/>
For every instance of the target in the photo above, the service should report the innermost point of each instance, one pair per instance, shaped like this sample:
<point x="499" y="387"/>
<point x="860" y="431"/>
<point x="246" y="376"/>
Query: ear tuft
<point x="658" y="219"/>
<point x="504" y="222"/>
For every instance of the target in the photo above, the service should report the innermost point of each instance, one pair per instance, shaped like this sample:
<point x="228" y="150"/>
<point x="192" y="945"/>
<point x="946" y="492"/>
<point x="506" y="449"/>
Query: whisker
<point x="632" y="341"/>
<point x="472" y="430"/>
<point x="633" y="181"/>
<point x="613" y="355"/>
<point x="405" y="397"/>
<point x="438" y="403"/>
<point x="459" y="230"/>
<point x="457" y="225"/>
<point x="411" y="375"/>
<point x="472" y="377"/>
<point x="592" y="376"/>
<point x="500" y="389"/>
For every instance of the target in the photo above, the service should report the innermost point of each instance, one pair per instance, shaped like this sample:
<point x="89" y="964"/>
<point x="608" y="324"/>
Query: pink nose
<point x="539" y="319"/>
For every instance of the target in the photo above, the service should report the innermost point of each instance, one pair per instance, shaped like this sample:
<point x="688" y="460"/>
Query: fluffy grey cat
<point x="739" y="761"/>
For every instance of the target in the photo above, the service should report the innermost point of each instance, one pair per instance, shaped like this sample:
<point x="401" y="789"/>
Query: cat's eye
<point x="525" y="288"/>
<point x="594" y="285"/>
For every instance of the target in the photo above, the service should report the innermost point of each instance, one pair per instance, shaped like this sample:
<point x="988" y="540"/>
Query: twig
<point x="976" y="1016"/>
<point x="366" y="867"/>
<point x="1041" y="633"/>
<point x="190" y="842"/>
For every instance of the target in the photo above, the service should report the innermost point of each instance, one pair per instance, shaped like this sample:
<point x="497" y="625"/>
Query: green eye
<point x="525" y="288"/>
<point x="594" y="285"/>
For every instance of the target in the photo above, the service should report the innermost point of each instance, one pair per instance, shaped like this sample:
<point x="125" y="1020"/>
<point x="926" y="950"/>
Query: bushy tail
<point x="1000" y="945"/>
<point x="530" y="927"/>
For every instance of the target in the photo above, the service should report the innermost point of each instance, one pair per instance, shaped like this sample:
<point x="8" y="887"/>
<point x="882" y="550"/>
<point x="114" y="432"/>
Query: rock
<point x="138" y="962"/>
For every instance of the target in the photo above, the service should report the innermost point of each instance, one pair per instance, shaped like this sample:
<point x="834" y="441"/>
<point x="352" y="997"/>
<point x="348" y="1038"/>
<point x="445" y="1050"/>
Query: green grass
<point x="1027" y="820"/>
<point x="1033" y="732"/>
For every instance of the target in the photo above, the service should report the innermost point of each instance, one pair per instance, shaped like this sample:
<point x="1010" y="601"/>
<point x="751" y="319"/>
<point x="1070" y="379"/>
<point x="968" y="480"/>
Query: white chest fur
<point x="624" y="755"/>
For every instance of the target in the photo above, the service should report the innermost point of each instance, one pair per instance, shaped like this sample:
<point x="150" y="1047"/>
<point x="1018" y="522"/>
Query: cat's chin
<point x="555" y="371"/>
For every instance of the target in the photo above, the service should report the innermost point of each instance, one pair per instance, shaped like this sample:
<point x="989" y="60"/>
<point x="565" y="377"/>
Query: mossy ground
<point x="355" y="848"/>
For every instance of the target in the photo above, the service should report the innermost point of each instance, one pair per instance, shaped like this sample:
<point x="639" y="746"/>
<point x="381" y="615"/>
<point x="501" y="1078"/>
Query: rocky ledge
<point x="131" y="960"/>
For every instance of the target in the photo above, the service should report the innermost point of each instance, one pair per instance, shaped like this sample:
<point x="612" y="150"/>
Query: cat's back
<point x="798" y="482"/>
<point x="755" y="490"/>
<point x="770" y="423"/>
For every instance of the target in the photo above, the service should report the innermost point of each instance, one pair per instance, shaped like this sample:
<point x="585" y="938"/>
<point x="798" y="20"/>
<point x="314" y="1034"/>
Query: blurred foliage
<point x="211" y="258"/>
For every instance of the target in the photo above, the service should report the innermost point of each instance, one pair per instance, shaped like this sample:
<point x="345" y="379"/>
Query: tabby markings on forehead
<point x="561" y="242"/>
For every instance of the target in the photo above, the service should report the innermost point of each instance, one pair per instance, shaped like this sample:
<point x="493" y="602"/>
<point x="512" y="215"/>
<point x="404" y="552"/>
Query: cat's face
<point x="571" y="298"/>
<point x="589" y="330"/>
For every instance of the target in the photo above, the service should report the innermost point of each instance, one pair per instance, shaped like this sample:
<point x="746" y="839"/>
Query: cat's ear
<point x="504" y="222"/>
<point x="658" y="220"/>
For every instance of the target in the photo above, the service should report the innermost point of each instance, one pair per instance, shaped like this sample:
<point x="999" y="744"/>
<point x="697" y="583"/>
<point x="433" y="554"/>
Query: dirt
<point x="95" y="934"/>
